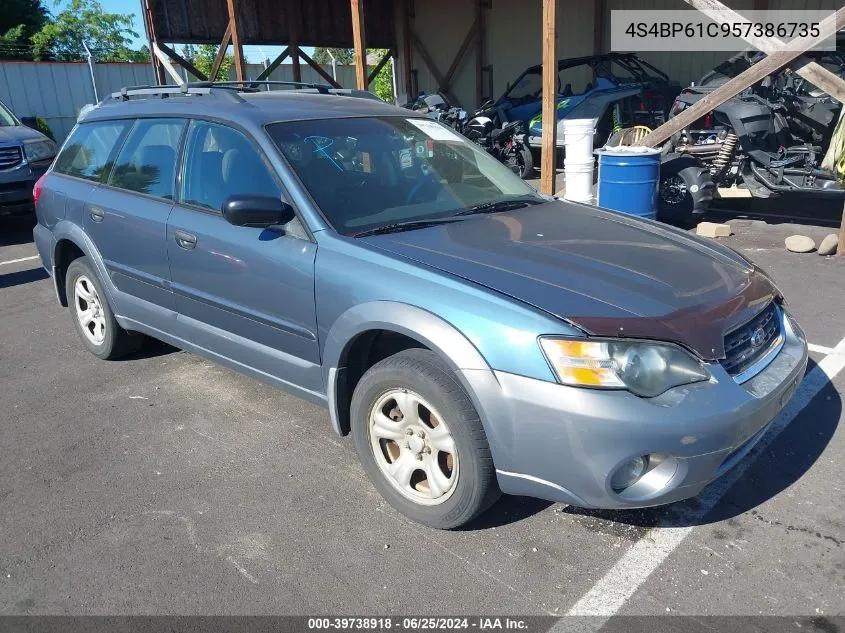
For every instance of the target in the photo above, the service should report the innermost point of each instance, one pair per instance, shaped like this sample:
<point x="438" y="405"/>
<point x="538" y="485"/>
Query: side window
<point x="147" y="162"/>
<point x="221" y="162"/>
<point x="87" y="152"/>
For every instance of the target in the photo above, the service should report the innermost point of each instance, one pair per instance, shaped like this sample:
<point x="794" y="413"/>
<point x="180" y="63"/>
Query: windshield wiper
<point x="501" y="205"/>
<point x="404" y="226"/>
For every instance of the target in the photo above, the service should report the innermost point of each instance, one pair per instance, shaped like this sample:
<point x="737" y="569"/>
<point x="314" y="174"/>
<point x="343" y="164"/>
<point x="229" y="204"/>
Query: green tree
<point x="19" y="21"/>
<point x="204" y="59"/>
<point x="342" y="55"/>
<point x="108" y="35"/>
<point x="382" y="83"/>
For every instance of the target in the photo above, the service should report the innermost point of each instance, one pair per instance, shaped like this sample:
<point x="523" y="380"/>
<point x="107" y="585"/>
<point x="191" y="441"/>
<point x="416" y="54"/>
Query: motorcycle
<point x="505" y="141"/>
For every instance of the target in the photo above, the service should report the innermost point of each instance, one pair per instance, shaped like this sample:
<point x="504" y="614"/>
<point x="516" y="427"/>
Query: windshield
<point x="7" y="119"/>
<point x="366" y="173"/>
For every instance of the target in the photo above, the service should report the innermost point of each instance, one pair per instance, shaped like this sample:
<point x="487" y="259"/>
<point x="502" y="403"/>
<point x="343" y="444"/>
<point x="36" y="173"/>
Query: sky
<point x="252" y="53"/>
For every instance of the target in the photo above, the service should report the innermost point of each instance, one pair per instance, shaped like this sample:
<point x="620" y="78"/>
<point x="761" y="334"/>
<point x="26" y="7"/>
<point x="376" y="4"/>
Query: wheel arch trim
<point x="65" y="230"/>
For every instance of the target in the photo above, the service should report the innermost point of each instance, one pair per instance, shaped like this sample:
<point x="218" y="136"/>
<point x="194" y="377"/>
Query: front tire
<point x="421" y="442"/>
<point x="92" y="315"/>
<point x="685" y="190"/>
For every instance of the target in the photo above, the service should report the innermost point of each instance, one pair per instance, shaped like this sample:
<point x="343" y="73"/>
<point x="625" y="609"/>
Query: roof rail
<point x="248" y="85"/>
<point x="164" y="92"/>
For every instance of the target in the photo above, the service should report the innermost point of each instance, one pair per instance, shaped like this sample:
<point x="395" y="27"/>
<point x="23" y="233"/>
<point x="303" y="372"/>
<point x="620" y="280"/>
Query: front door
<point x="245" y="294"/>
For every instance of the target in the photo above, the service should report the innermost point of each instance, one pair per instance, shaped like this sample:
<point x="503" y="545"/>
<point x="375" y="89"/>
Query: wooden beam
<point x="375" y="71"/>
<point x="548" y="156"/>
<point x="406" y="48"/>
<point x="149" y="24"/>
<point x="296" y="67"/>
<point x="813" y="72"/>
<point x="742" y="81"/>
<point x="470" y="36"/>
<point x="432" y="67"/>
<point x="319" y="69"/>
<point x="479" y="51"/>
<point x="184" y="63"/>
<point x="240" y="70"/>
<point x="273" y="65"/>
<point x="167" y="65"/>
<point x="359" y="38"/>
<point x="221" y="52"/>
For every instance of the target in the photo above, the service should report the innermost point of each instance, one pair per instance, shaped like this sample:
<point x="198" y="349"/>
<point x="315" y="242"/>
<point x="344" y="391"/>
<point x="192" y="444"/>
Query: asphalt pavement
<point x="166" y="484"/>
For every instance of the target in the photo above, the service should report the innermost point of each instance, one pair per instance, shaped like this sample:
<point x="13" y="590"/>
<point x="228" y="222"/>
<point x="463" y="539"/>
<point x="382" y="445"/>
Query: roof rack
<point x="223" y="89"/>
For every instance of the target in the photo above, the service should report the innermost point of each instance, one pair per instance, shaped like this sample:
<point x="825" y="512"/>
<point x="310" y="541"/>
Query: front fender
<point x="458" y="352"/>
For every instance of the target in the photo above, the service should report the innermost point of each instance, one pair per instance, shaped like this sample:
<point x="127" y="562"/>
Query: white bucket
<point x="578" y="138"/>
<point x="579" y="180"/>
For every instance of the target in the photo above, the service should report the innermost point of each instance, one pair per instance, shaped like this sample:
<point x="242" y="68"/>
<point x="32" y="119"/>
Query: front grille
<point x="10" y="157"/>
<point x="740" y="353"/>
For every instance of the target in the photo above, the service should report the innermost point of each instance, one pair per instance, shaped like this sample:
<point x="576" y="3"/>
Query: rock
<point x="829" y="244"/>
<point x="712" y="229"/>
<point x="799" y="244"/>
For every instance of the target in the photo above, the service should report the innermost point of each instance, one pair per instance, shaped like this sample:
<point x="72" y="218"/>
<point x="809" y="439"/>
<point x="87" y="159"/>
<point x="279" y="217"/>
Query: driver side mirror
<point x="257" y="211"/>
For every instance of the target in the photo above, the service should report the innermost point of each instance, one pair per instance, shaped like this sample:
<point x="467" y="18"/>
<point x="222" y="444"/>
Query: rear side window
<point x="221" y="162"/>
<point x="88" y="151"/>
<point x="147" y="162"/>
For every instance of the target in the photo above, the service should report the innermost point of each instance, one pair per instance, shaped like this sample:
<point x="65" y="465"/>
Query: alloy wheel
<point x="89" y="310"/>
<point x="413" y="447"/>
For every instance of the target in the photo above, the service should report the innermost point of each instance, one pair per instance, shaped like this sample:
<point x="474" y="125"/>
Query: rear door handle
<point x="97" y="215"/>
<point x="185" y="240"/>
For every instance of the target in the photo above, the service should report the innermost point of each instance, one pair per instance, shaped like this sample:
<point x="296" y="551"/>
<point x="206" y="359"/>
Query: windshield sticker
<point x="406" y="159"/>
<point x="435" y="130"/>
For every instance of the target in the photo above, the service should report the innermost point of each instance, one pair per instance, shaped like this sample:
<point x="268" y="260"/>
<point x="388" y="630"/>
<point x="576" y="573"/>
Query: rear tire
<point x="421" y="442"/>
<point x="92" y="315"/>
<point x="685" y="190"/>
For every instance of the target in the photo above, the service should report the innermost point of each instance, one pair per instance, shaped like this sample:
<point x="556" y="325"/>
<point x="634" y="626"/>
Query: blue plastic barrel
<point x="628" y="180"/>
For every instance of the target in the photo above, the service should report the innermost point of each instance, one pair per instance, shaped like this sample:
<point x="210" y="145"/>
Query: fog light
<point x="628" y="473"/>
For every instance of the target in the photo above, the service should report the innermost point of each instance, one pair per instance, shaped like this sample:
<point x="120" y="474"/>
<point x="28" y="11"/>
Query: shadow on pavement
<point x="507" y="510"/>
<point x="22" y="277"/>
<point x="778" y="467"/>
<point x="16" y="230"/>
<point x="783" y="210"/>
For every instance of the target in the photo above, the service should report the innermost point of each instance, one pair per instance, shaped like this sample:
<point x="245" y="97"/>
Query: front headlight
<point x="40" y="150"/>
<point x="644" y="368"/>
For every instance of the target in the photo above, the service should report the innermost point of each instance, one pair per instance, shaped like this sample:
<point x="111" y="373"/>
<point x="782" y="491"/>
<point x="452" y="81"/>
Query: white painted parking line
<point x="821" y="349"/>
<point x="17" y="261"/>
<point x="617" y="586"/>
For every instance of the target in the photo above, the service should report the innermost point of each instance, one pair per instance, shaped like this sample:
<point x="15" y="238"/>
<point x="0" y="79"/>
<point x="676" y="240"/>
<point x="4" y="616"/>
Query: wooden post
<point x="221" y="52"/>
<point x="549" y="148"/>
<point x="184" y="63"/>
<point x="479" y="52"/>
<point x="598" y="26"/>
<point x="149" y="23"/>
<point x="405" y="8"/>
<point x="359" y="37"/>
<point x="240" y="70"/>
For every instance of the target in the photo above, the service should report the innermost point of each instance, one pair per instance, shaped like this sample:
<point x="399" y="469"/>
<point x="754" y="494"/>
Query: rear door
<point x="244" y="293"/>
<point x="128" y="217"/>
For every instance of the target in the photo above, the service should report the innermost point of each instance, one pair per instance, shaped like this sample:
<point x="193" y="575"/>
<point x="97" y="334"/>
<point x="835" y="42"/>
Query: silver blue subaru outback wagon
<point x="473" y="336"/>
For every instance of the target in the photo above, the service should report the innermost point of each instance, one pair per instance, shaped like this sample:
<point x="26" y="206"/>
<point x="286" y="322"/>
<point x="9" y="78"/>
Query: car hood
<point x="605" y="272"/>
<point x="18" y="134"/>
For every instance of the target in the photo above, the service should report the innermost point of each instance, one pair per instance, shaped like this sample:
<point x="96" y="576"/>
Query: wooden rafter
<point x="375" y="71"/>
<point x="318" y="69"/>
<point x="749" y="77"/>
<point x="548" y="156"/>
<point x="240" y="69"/>
<point x="165" y="62"/>
<point x="359" y="38"/>
<point x="273" y="65"/>
<point x="184" y="63"/>
<point x="221" y="52"/>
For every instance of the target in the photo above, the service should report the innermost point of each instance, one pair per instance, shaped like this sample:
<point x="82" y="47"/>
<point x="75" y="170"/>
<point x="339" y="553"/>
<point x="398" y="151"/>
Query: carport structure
<point x="446" y="45"/>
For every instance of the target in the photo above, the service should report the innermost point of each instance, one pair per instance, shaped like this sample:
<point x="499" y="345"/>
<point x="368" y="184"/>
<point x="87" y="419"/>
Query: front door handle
<point x="97" y="215"/>
<point x="185" y="240"/>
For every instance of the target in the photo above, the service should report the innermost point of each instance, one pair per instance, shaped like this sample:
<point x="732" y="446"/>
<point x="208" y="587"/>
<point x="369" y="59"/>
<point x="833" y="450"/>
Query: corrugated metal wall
<point x="57" y="91"/>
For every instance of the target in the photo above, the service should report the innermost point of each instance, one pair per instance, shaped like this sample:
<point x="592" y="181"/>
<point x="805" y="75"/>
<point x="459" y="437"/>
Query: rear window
<point x="90" y="149"/>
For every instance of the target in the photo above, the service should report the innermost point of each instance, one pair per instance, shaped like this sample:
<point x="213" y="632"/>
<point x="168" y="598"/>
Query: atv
<point x="767" y="141"/>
